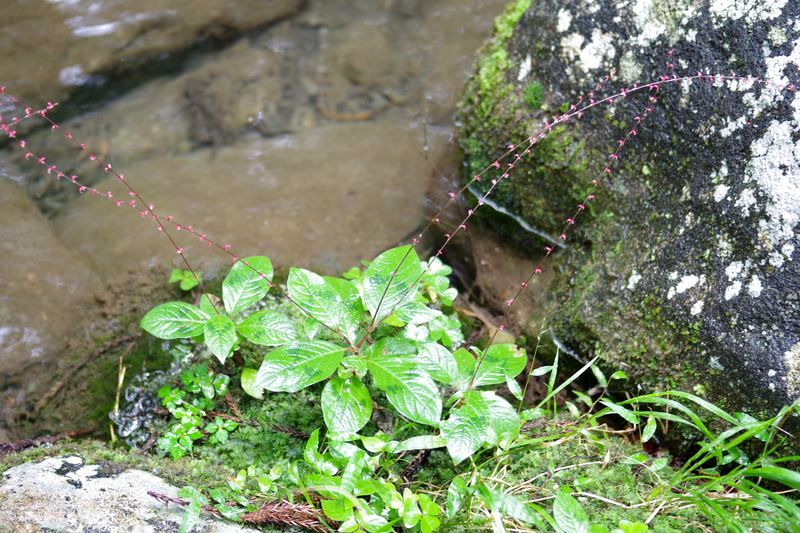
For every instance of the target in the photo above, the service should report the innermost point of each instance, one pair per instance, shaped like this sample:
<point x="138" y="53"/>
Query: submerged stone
<point x="683" y="271"/>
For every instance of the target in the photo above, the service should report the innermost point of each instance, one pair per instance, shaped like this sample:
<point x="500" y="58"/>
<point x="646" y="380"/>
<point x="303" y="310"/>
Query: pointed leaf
<point x="389" y="279"/>
<point x="352" y="312"/>
<point x="466" y="428"/>
<point x="346" y="405"/>
<point x="220" y="336"/>
<point x="174" y="320"/>
<point x="267" y="328"/>
<point x="297" y="365"/>
<point x="245" y="285"/>
<point x="438" y="361"/>
<point x="500" y="361"/>
<point x="421" y="442"/>
<point x="408" y="387"/>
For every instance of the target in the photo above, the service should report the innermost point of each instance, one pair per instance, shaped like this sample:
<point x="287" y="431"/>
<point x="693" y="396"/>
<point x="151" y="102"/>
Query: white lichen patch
<point x="660" y="18"/>
<point x="525" y="68"/>
<point x="697" y="308"/>
<point x="686" y="283"/>
<point x="751" y="11"/>
<point x="733" y="270"/>
<point x="733" y="290"/>
<point x="777" y="36"/>
<point x="720" y="192"/>
<point x="594" y="53"/>
<point x="634" y="280"/>
<point x="746" y="201"/>
<point x="791" y="359"/>
<point x="629" y="68"/>
<point x="564" y="20"/>
<point x="775" y="169"/>
<point x="754" y="288"/>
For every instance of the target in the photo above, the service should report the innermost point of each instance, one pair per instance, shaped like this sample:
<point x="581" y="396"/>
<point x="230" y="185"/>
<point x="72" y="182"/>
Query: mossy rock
<point x="683" y="268"/>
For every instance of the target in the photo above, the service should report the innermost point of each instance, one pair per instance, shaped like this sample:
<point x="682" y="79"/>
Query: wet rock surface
<point x="684" y="271"/>
<point x="68" y="494"/>
<point x="53" y="285"/>
<point x="52" y="48"/>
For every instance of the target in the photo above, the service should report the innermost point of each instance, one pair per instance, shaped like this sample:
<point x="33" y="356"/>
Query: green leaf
<point x="438" y="361"/>
<point x="500" y="361"/>
<point x="220" y="336"/>
<point x="421" y="442"/>
<point x="649" y="429"/>
<point x="483" y="418"/>
<point x="415" y="313"/>
<point x="408" y="387"/>
<point x="456" y="494"/>
<point x="297" y="365"/>
<point x="267" y="328"/>
<point x="174" y="320"/>
<point x="316" y="459"/>
<point x="465" y="363"/>
<point x="176" y="275"/>
<point x="248" y="379"/>
<point x="509" y="506"/>
<point x="389" y="279"/>
<point x="209" y="304"/>
<point x="466" y="428"/>
<point x="514" y="388"/>
<point x="346" y="405"/>
<point x="352" y="312"/>
<point x="628" y="415"/>
<point x="790" y="478"/>
<point x="315" y="296"/>
<point x="569" y="515"/>
<point x="338" y="510"/>
<point x="245" y="285"/>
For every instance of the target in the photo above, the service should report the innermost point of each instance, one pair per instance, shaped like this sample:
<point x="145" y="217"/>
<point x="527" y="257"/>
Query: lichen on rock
<point x="685" y="271"/>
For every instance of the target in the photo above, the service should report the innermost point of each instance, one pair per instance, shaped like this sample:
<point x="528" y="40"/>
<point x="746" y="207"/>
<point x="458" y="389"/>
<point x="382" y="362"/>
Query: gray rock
<point x="66" y="494"/>
<point x="685" y="271"/>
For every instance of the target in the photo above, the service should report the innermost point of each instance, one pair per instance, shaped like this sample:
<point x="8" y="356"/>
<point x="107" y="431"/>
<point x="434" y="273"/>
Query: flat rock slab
<point x="67" y="494"/>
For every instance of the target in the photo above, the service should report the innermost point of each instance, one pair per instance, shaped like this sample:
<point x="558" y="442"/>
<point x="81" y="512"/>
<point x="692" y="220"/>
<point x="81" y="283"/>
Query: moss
<point x="533" y="95"/>
<point x="186" y="471"/>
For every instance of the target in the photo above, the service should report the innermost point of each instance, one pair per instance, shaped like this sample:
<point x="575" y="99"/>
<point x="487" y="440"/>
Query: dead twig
<point x="19" y="445"/>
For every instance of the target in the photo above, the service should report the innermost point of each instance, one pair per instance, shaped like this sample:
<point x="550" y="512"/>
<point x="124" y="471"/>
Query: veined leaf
<point x="249" y="383"/>
<point x="500" y="361"/>
<point x="483" y="418"/>
<point x="352" y="308"/>
<point x="316" y="459"/>
<point x="408" y="387"/>
<point x="220" y="336"/>
<point x="421" y="442"/>
<point x="174" y="320"/>
<point x="438" y="361"/>
<point x="346" y="405"/>
<point x="389" y="279"/>
<point x="244" y="285"/>
<point x="569" y="515"/>
<point x="267" y="328"/>
<point x="415" y="313"/>
<point x="297" y="365"/>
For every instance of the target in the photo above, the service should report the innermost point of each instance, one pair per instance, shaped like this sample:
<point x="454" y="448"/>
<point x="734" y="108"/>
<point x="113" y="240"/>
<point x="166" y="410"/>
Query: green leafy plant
<point x="185" y="279"/>
<point x="190" y="405"/>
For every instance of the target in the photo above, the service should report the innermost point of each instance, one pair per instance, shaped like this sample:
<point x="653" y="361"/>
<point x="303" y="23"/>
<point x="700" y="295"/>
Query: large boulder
<point x="684" y="270"/>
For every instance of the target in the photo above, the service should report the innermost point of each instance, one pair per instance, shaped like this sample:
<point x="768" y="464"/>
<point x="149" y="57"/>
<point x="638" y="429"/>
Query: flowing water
<point x="306" y="131"/>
